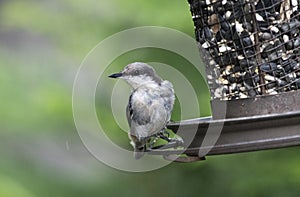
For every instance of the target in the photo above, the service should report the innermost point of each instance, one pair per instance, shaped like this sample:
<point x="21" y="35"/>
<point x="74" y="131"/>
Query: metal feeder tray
<point x="268" y="130"/>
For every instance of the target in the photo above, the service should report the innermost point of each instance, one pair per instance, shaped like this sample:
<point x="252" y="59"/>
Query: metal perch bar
<point x="249" y="134"/>
<point x="252" y="124"/>
<point x="242" y="134"/>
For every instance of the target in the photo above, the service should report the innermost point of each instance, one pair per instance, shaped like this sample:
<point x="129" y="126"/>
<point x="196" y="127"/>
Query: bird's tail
<point x="139" y="146"/>
<point x="139" y="152"/>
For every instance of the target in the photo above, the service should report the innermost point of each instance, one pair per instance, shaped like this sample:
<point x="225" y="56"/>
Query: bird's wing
<point x="137" y="111"/>
<point x="128" y="112"/>
<point x="145" y="118"/>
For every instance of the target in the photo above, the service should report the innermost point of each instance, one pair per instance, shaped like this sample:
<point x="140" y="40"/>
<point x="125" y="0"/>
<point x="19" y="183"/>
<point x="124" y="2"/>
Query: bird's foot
<point x="172" y="143"/>
<point x="165" y="132"/>
<point x="162" y="136"/>
<point x="152" y="142"/>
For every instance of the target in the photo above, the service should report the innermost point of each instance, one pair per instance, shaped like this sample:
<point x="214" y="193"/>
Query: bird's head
<point x="137" y="74"/>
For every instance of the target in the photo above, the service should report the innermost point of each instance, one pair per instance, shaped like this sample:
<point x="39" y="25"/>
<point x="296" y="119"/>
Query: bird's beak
<point x="116" y="75"/>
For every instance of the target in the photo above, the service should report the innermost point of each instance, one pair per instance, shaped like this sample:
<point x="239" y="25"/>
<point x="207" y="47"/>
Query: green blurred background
<point x="42" y="44"/>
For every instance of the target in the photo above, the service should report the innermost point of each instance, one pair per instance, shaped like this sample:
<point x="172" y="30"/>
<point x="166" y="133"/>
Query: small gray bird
<point x="150" y="104"/>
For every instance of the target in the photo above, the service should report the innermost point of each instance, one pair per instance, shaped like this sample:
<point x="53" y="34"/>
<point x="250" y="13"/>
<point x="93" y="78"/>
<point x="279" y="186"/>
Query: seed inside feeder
<point x="254" y="45"/>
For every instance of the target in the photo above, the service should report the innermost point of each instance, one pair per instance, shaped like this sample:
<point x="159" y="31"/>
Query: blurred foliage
<point x="42" y="43"/>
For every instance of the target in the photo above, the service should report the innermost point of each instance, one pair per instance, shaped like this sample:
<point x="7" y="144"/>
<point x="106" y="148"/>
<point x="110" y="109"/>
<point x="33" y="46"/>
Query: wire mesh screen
<point x="251" y="47"/>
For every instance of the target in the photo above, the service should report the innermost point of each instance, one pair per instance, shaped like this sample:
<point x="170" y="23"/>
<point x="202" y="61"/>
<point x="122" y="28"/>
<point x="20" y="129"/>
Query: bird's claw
<point x="152" y="142"/>
<point x="173" y="143"/>
<point x="166" y="132"/>
<point x="165" y="135"/>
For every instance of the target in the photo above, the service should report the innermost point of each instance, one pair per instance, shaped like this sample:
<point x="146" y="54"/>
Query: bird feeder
<point x="251" y="50"/>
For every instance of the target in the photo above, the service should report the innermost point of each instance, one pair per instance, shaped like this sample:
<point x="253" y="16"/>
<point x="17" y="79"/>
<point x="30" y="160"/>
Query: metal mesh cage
<point x="251" y="47"/>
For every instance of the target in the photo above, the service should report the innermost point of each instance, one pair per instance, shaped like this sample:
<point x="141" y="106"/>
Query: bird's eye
<point x="136" y="72"/>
